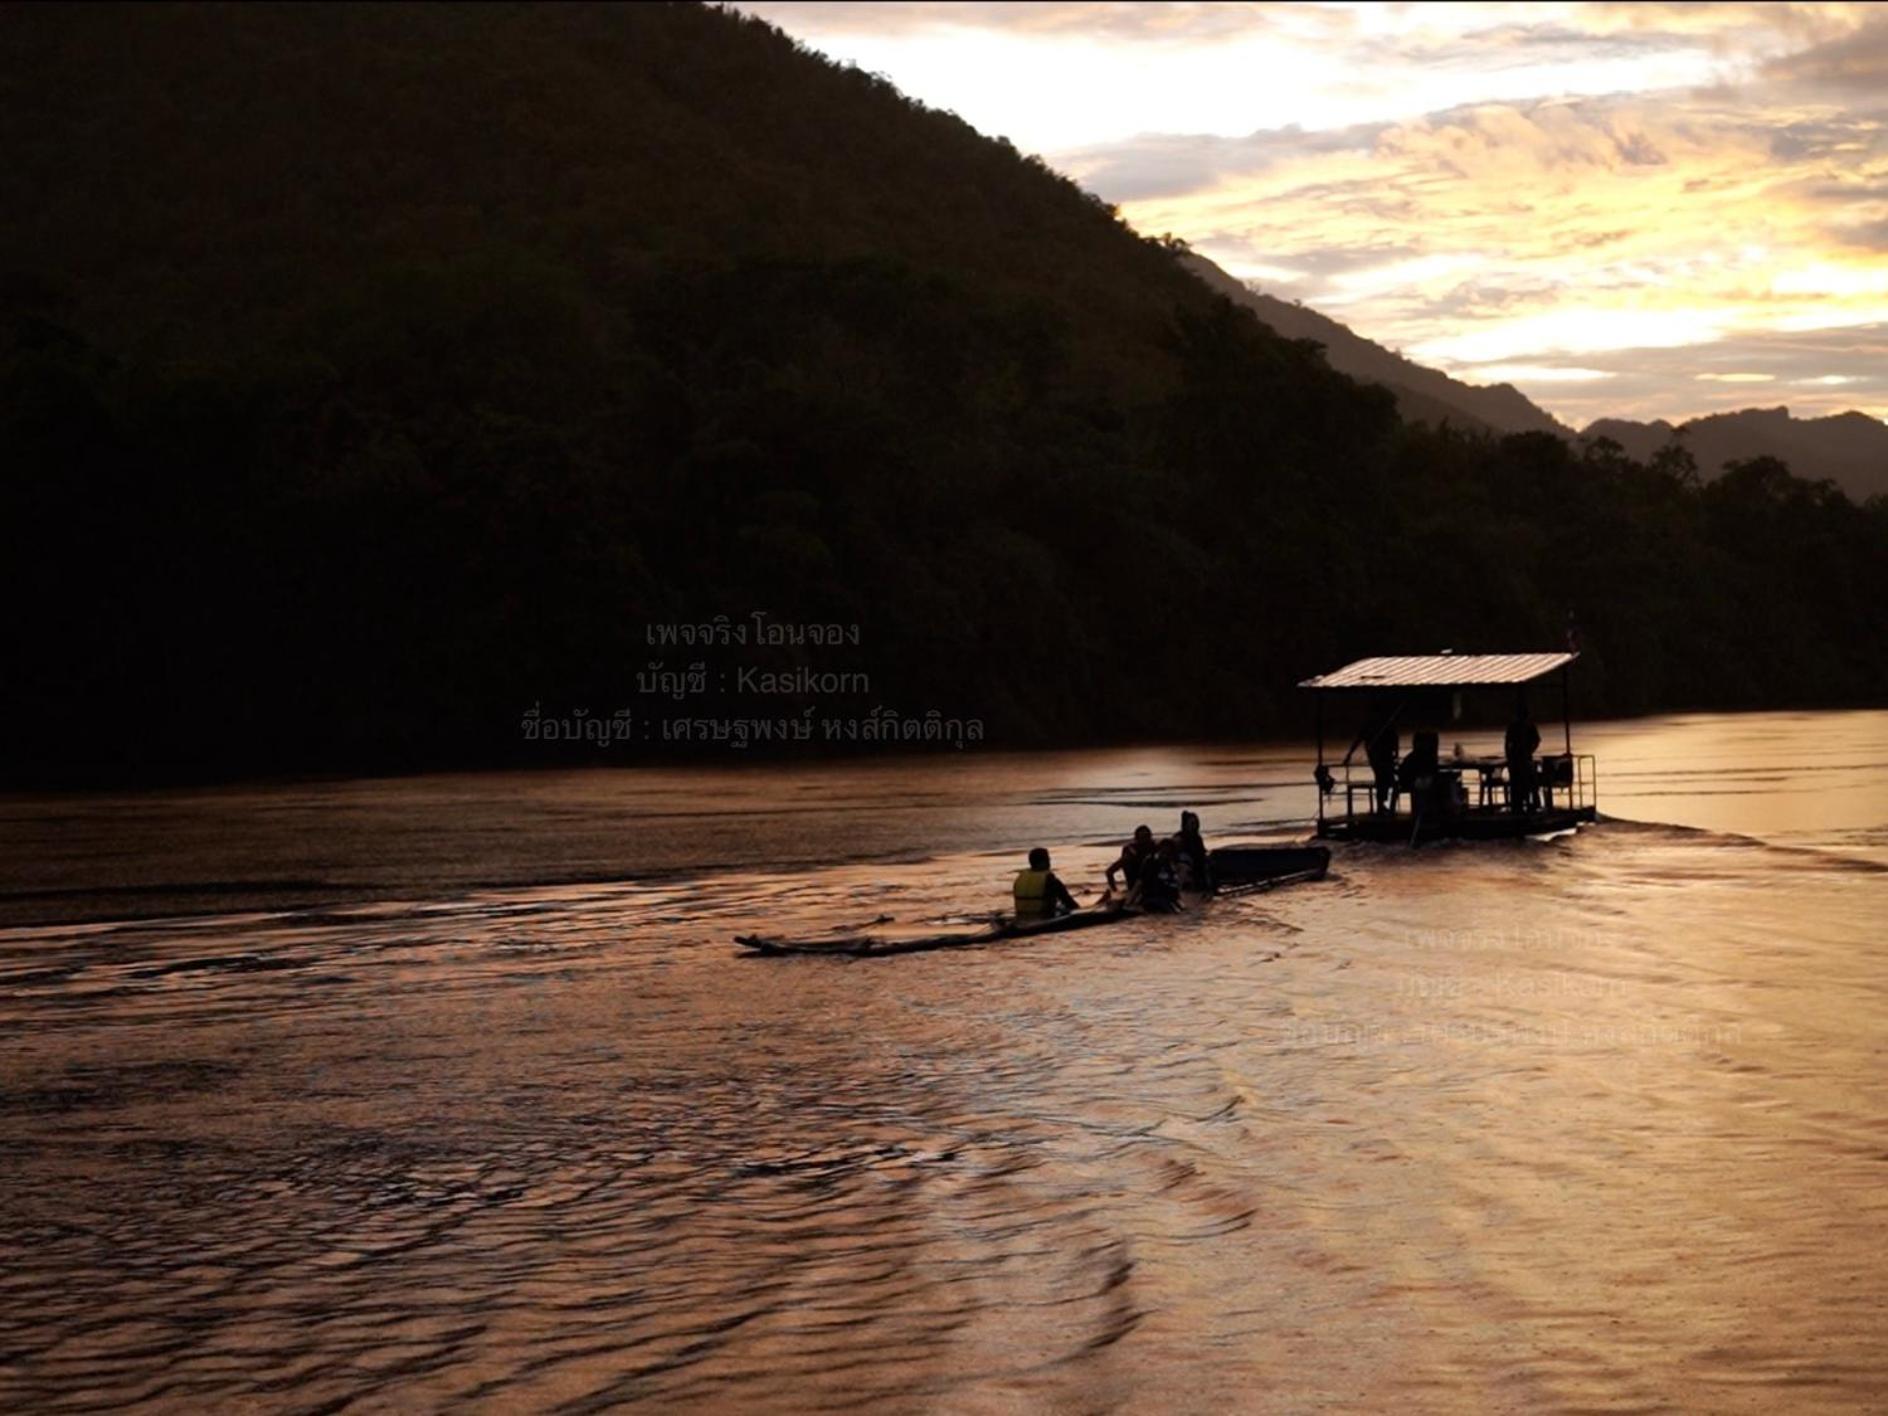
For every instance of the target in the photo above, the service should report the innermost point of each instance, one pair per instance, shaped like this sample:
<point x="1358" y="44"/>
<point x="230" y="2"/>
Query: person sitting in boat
<point x="1419" y="775"/>
<point x="1135" y="854"/>
<point x="1196" y="866"/>
<point x="1522" y="741"/>
<point x="1038" y="893"/>
<point x="1158" y="889"/>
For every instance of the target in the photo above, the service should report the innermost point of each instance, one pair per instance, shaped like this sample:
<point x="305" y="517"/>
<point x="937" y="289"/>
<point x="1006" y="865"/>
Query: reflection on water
<point x="1600" y="1122"/>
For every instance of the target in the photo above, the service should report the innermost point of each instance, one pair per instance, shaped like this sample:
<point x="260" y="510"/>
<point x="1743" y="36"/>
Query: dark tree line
<point x="368" y="376"/>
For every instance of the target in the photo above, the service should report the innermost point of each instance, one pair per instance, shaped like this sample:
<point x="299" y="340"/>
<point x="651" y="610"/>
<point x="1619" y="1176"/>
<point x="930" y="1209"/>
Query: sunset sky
<point x="1650" y="210"/>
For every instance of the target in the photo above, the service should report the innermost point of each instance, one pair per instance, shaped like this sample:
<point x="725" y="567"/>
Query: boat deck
<point x="1489" y="823"/>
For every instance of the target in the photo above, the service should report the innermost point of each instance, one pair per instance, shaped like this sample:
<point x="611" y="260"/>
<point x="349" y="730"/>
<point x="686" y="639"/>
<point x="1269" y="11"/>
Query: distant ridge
<point x="1423" y="395"/>
<point x="1849" y="449"/>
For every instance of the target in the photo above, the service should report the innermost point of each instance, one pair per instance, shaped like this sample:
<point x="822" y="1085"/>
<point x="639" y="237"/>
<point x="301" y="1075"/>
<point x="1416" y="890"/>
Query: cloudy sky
<point x="1640" y="209"/>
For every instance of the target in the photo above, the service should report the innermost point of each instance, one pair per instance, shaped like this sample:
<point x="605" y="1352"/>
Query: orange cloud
<point x="1603" y="201"/>
<point x="1527" y="234"/>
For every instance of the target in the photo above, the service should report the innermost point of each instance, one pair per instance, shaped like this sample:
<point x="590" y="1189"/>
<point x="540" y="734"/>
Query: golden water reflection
<point x="1595" y="1123"/>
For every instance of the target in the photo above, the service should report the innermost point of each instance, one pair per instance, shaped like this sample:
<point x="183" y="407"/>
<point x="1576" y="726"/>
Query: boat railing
<point x="1565" y="782"/>
<point x="1578" y="783"/>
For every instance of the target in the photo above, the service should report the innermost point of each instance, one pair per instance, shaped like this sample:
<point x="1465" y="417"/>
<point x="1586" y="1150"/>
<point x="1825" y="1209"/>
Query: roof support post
<point x="1566" y="706"/>
<point x="1318" y="699"/>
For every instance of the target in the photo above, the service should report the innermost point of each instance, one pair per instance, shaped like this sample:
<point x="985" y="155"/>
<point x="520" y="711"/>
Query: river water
<point x="453" y="1091"/>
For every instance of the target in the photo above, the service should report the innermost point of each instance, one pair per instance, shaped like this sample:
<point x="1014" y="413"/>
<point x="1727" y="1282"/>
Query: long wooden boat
<point x="1238" y="870"/>
<point x="1241" y="870"/>
<point x="873" y="945"/>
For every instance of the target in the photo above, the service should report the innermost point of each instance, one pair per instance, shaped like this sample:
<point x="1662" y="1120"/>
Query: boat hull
<point x="1238" y="870"/>
<point x="863" y="946"/>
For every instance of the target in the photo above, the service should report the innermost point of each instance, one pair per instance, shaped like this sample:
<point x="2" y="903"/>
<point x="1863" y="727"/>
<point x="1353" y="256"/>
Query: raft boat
<point x="1237" y="870"/>
<point x="1462" y="797"/>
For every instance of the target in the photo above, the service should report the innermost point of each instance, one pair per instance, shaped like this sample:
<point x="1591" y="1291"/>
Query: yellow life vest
<point x="1032" y="894"/>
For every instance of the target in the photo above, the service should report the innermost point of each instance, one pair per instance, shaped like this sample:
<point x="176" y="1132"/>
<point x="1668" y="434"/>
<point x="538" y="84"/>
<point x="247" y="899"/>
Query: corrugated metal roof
<point x="1440" y="671"/>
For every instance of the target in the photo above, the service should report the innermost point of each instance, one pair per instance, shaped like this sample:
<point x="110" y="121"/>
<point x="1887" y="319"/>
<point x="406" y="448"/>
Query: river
<point x="401" y="1094"/>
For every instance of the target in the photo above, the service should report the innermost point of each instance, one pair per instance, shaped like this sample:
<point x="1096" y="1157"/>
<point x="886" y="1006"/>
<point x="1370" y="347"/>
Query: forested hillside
<point x="370" y="375"/>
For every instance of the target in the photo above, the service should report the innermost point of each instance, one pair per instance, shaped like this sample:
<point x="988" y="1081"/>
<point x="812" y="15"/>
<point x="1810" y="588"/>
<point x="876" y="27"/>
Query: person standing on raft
<point x="1519" y="746"/>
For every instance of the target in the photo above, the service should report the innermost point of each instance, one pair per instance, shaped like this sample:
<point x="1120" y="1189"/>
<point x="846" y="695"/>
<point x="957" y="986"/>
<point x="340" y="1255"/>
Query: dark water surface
<point x="1598" y="1123"/>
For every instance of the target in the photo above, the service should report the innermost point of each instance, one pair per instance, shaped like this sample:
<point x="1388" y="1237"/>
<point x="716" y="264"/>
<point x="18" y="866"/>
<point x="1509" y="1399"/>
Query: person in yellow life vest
<point x="1039" y="895"/>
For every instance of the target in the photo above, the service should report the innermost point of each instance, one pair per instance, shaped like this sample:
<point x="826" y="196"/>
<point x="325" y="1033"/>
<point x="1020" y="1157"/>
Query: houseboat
<point x="1397" y="782"/>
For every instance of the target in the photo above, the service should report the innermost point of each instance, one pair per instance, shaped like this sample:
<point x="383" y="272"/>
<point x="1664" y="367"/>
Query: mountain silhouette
<point x="1422" y="394"/>
<point x="1849" y="449"/>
